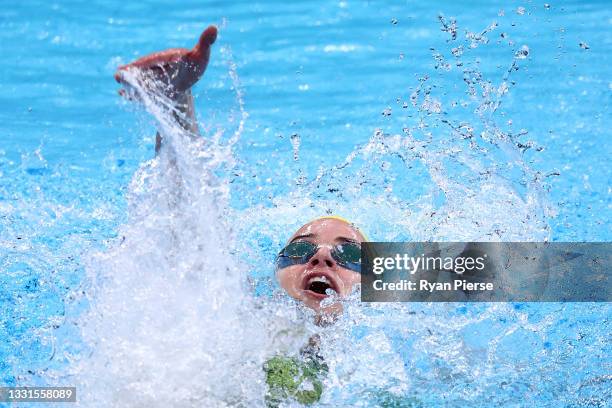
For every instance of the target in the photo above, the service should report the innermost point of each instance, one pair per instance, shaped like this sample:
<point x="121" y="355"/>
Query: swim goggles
<point x="347" y="255"/>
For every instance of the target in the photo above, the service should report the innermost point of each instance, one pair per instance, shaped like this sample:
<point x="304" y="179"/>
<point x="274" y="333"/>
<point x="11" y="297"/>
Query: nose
<point x="322" y="257"/>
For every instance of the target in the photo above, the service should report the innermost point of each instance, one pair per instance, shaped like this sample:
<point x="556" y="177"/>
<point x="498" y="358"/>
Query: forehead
<point x="328" y="230"/>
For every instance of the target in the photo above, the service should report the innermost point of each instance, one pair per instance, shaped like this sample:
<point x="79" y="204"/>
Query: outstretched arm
<point x="176" y="70"/>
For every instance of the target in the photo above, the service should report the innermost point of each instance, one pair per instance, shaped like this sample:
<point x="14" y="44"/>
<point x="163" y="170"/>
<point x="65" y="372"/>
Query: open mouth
<point x="317" y="285"/>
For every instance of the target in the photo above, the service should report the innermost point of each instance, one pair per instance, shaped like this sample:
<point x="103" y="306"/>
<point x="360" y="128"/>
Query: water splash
<point x="171" y="319"/>
<point x="454" y="171"/>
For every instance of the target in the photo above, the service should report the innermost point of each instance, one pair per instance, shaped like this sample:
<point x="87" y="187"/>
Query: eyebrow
<point x="346" y="239"/>
<point x="303" y="236"/>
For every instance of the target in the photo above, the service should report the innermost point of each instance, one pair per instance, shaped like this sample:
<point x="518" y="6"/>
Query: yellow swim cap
<point x="339" y="218"/>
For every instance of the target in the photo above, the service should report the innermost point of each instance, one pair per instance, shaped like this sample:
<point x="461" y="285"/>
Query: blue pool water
<point x="374" y="111"/>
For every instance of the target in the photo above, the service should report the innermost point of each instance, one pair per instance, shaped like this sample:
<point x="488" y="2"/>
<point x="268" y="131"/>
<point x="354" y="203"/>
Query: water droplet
<point x="523" y="52"/>
<point x="520" y="10"/>
<point x="449" y="27"/>
<point x="295" y="143"/>
<point x="387" y="112"/>
<point x="394" y="21"/>
<point x="584" y="45"/>
<point x="431" y="105"/>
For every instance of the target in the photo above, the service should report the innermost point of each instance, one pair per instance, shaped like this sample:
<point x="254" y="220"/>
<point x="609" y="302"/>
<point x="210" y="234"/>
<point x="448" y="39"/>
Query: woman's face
<point x="308" y="282"/>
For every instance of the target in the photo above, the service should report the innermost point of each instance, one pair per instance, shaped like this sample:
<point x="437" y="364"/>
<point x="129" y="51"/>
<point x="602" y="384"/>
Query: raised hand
<point x="176" y="69"/>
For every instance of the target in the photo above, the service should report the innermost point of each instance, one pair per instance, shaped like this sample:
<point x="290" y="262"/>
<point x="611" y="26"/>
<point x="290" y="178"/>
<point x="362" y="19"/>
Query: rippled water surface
<point x="446" y="122"/>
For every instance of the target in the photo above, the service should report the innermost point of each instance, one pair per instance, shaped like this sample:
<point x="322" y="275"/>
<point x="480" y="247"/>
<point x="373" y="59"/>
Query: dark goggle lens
<point x="295" y="253"/>
<point x="349" y="256"/>
<point x="298" y="249"/>
<point x="348" y="253"/>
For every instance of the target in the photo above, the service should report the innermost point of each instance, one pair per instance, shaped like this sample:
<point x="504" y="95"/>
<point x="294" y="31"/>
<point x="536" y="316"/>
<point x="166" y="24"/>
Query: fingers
<point x="126" y="92"/>
<point x="120" y="74"/>
<point x="141" y="77"/>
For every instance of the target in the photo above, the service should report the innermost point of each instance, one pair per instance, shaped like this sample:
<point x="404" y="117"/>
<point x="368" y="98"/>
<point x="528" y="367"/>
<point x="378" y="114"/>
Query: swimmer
<point x="321" y="256"/>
